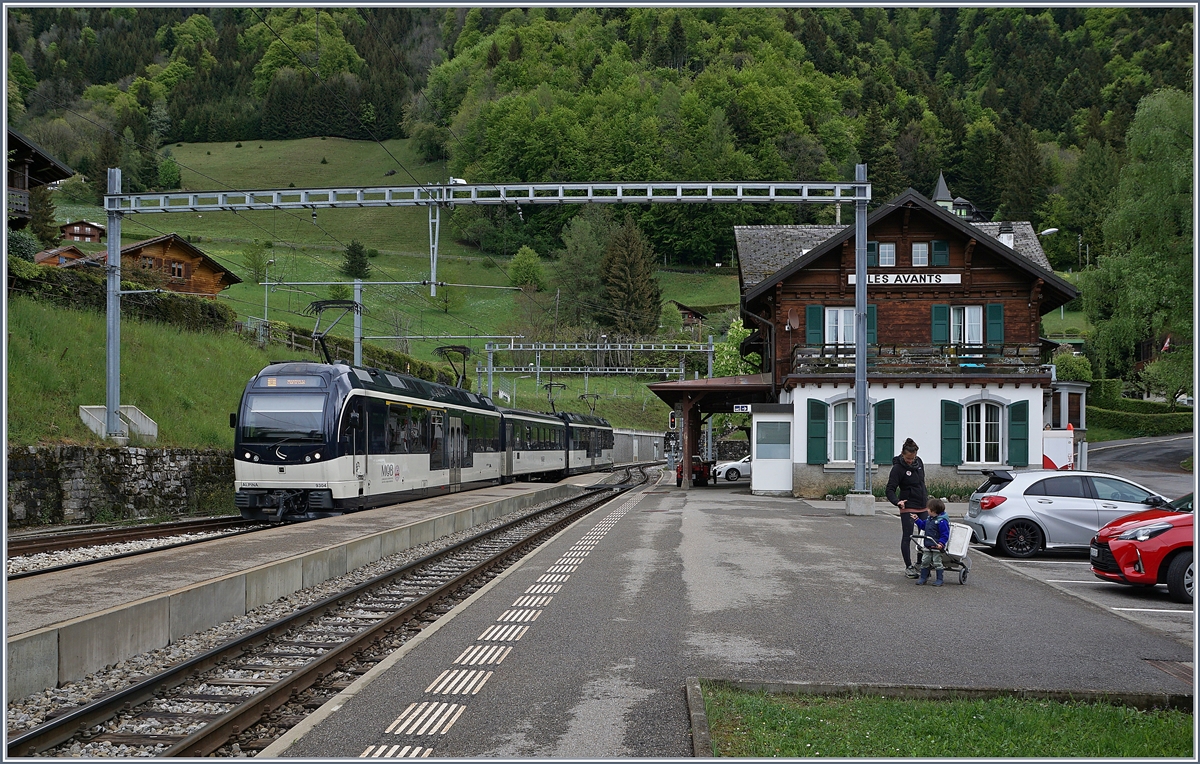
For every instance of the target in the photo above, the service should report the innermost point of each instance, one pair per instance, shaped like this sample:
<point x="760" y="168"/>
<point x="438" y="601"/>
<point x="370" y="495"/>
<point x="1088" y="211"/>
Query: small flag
<point x="1167" y="344"/>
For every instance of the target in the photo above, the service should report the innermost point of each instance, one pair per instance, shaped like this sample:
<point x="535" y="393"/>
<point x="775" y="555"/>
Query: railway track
<point x="108" y="543"/>
<point x="238" y="697"/>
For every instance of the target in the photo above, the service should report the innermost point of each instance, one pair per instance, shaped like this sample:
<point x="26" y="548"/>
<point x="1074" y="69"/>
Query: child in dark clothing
<point x="937" y="534"/>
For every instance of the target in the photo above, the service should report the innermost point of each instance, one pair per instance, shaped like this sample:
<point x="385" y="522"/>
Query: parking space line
<point x="1151" y="610"/>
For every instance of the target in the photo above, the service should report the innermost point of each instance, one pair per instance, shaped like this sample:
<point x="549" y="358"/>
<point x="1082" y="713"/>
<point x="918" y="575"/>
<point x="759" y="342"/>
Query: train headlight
<point x="308" y="458"/>
<point x="317" y="455"/>
<point x="247" y="454"/>
<point x="256" y="457"/>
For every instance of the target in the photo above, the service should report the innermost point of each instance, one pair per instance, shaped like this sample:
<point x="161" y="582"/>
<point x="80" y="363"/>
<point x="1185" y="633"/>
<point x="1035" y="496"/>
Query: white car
<point x="732" y="471"/>
<point x="1021" y="513"/>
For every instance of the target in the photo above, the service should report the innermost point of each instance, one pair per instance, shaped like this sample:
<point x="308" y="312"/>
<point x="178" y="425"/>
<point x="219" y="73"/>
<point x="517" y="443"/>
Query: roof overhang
<point x="718" y="394"/>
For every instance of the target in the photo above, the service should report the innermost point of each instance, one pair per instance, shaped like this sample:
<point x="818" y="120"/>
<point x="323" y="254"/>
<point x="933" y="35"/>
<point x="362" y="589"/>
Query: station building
<point x="954" y="356"/>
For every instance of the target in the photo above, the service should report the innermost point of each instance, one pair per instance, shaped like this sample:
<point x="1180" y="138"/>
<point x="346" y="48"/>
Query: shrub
<point x="1072" y="368"/>
<point x="1106" y="390"/>
<point x="23" y="245"/>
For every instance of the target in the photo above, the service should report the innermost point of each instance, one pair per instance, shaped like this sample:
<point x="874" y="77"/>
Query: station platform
<point x="582" y="650"/>
<point x="61" y="626"/>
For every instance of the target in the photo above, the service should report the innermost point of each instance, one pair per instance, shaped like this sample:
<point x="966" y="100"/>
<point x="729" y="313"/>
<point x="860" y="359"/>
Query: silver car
<point x="1021" y="513"/>
<point x="732" y="471"/>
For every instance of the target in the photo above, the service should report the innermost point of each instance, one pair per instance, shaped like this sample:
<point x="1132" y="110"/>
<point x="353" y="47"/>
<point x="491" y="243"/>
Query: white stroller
<point x="954" y="556"/>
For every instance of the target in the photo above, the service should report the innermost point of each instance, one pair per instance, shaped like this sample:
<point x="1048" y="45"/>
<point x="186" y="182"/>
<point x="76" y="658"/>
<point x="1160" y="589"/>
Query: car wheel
<point x="1020" y="538"/>
<point x="732" y="474"/>
<point x="1181" y="577"/>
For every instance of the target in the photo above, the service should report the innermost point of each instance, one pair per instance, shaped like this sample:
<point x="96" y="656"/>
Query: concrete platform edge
<point x="335" y="703"/>
<point x="54" y="655"/>
<point x="1141" y="701"/>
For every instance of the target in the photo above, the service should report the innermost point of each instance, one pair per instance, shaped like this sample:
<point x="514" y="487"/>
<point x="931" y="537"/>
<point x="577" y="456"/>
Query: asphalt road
<point x="724" y="584"/>
<point x="1152" y="462"/>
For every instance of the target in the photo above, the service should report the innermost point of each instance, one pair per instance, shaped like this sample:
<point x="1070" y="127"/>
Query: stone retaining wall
<point x="80" y="484"/>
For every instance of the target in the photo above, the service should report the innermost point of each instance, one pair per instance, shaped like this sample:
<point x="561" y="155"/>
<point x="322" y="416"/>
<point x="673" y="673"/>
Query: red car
<point x="1149" y="548"/>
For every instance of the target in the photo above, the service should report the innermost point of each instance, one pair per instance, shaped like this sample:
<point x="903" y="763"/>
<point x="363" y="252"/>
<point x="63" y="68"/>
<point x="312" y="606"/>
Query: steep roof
<point x="941" y="193"/>
<point x="779" y="248"/>
<point x="186" y="245"/>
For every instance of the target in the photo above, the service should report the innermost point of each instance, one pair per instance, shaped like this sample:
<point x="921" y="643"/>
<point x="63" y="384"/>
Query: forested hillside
<point x="1002" y="100"/>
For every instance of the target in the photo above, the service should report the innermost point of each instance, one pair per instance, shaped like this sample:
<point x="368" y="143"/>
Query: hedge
<point x="1106" y="389"/>
<point x="1135" y="406"/>
<point x="1139" y="424"/>
<point x="83" y="289"/>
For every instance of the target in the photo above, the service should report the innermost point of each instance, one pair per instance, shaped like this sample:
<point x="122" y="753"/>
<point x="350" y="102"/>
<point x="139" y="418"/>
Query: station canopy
<point x="717" y="395"/>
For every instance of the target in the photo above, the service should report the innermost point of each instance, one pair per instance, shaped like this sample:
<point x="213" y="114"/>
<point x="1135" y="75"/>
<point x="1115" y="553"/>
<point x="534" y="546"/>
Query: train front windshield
<point x="275" y="417"/>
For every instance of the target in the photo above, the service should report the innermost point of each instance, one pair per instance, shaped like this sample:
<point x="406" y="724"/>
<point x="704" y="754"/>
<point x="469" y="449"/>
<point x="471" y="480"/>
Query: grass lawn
<point x="750" y="724"/>
<point x="190" y="382"/>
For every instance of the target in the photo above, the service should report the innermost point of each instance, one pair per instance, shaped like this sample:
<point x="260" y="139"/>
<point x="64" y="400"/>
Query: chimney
<point x="1006" y="234"/>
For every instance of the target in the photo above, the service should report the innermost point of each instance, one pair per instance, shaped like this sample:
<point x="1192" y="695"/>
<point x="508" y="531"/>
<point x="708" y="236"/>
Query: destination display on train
<point x="303" y="380"/>
<point x="905" y="279"/>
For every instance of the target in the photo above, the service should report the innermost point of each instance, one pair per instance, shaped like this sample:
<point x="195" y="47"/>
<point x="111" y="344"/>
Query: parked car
<point x="702" y="472"/>
<point x="1021" y="513"/>
<point x="1149" y="548"/>
<point x="732" y="471"/>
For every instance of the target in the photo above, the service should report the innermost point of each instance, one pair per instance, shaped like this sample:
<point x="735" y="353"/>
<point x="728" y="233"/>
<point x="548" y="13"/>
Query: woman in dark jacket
<point x="906" y="490"/>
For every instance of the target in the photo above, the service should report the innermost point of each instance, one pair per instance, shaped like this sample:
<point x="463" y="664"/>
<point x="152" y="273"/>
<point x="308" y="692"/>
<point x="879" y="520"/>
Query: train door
<point x="455" y="447"/>
<point x="508" y="448"/>
<point x="355" y="424"/>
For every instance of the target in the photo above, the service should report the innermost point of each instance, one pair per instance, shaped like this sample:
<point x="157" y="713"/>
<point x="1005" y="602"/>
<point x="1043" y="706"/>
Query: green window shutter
<point x="814" y="325"/>
<point x="995" y="323"/>
<point x="885" y="431"/>
<point x="872" y="335"/>
<point x="939" y="252"/>
<point x="1018" y="434"/>
<point x="872" y="253"/>
<point x="816" y="432"/>
<point x="940" y="333"/>
<point x="951" y="433"/>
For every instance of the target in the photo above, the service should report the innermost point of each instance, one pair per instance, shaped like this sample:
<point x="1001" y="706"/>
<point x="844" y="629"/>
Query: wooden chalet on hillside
<point x="29" y="166"/>
<point x="60" y="256"/>
<point x="181" y="266"/>
<point x="82" y="230"/>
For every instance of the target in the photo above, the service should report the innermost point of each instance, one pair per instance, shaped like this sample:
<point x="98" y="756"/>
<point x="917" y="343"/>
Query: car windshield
<point x="273" y="418"/>
<point x="1182" y="504"/>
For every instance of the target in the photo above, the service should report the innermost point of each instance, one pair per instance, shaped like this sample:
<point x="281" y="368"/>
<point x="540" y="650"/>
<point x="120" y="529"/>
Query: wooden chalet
<point x="82" y="230"/>
<point x="183" y="267"/>
<point x="954" y="357"/>
<point x="60" y="256"/>
<point x="29" y="166"/>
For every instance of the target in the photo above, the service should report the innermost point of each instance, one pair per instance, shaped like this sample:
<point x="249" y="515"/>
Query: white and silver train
<point x="317" y="440"/>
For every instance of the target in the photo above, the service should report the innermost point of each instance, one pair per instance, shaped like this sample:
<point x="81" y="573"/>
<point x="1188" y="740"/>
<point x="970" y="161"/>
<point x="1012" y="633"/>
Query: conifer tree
<point x="632" y="295"/>
<point x="355" y="265"/>
<point x="41" y="222"/>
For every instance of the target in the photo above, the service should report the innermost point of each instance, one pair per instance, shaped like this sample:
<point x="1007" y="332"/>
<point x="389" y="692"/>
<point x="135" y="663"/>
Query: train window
<point x="398" y="435"/>
<point x="436" y="439"/>
<point x="270" y="417"/>
<point x="377" y="419"/>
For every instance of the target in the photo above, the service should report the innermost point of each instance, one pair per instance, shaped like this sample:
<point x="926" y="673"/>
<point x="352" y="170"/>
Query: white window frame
<point x="839" y="326"/>
<point x="846" y="406"/>
<point x="977" y="443"/>
<point x="968" y="318"/>
<point x="920" y="254"/>
<point x="887" y="254"/>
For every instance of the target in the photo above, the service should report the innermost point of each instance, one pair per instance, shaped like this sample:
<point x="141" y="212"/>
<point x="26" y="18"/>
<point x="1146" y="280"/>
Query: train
<point x="318" y="440"/>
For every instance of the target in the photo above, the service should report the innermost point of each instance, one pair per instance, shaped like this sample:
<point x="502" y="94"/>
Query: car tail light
<point x="990" y="502"/>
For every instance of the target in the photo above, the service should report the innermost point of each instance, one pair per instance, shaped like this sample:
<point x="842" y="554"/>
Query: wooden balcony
<point x="18" y="202"/>
<point x="920" y="359"/>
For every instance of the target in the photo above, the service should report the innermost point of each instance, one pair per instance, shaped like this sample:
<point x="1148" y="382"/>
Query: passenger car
<point x="1021" y="513"/>
<point x="1149" y="548"/>
<point x="733" y="470"/>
